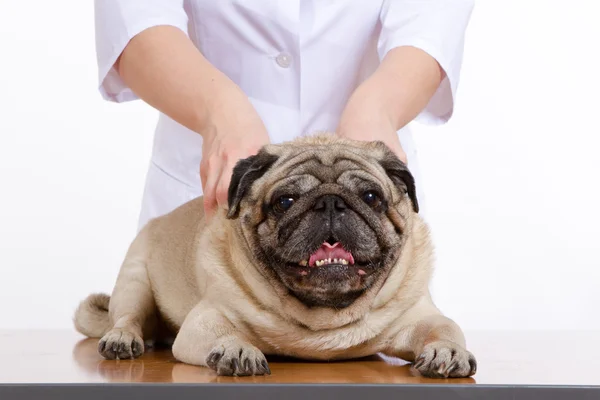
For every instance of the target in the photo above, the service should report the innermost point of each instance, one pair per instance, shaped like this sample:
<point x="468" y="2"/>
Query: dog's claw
<point x="120" y="344"/>
<point x="444" y="359"/>
<point x="236" y="358"/>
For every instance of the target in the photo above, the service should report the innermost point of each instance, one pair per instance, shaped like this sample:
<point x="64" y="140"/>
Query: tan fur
<point x="91" y="317"/>
<point x="202" y="280"/>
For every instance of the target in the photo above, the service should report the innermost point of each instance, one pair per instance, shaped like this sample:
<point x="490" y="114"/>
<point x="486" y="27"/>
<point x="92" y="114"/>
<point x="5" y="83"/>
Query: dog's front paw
<point x="120" y="344"/>
<point x="444" y="359"/>
<point x="232" y="356"/>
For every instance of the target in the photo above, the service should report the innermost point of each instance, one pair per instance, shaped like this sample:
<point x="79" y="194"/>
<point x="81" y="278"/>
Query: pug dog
<point x="321" y="255"/>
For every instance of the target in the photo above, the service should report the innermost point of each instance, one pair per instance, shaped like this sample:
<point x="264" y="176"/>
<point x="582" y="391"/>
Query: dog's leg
<point x="209" y="339"/>
<point x="131" y="307"/>
<point x="435" y="343"/>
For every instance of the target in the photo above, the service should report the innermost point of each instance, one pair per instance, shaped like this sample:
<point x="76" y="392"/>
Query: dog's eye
<point x="372" y="199"/>
<point x="283" y="203"/>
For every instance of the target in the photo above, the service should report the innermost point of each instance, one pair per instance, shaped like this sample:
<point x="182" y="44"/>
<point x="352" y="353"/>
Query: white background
<point x="512" y="181"/>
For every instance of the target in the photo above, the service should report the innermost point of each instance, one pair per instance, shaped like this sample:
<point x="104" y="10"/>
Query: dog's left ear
<point x="401" y="176"/>
<point x="245" y="173"/>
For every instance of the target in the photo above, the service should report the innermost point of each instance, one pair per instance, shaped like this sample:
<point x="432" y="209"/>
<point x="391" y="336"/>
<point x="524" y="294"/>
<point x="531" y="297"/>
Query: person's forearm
<point x="164" y="68"/>
<point x="399" y="89"/>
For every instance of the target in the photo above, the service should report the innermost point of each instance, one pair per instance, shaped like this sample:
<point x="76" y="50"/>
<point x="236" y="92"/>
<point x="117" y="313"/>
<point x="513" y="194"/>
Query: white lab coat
<point x="297" y="60"/>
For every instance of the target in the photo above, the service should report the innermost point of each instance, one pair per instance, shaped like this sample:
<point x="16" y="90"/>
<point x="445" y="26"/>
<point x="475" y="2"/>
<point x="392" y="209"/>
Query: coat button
<point x="284" y="60"/>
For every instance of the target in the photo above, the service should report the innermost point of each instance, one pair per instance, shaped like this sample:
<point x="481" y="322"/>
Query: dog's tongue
<point x="332" y="251"/>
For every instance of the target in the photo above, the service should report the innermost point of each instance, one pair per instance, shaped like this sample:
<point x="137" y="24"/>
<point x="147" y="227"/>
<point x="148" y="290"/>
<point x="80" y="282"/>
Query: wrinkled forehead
<point x="330" y="157"/>
<point x="303" y="169"/>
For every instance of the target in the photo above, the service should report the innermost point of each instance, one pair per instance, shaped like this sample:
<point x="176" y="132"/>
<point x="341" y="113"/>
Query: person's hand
<point x="366" y="122"/>
<point x="228" y="139"/>
<point x="165" y="69"/>
<point x="391" y="97"/>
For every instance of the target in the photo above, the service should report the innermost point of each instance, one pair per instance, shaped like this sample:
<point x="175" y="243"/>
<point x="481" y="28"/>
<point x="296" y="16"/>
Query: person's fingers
<point x="222" y="191"/>
<point x="402" y="155"/>
<point x="210" y="206"/>
<point x="210" y="199"/>
<point x="395" y="145"/>
<point x="203" y="174"/>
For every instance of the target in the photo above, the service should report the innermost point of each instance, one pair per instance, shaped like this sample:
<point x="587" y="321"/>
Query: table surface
<point x="505" y="358"/>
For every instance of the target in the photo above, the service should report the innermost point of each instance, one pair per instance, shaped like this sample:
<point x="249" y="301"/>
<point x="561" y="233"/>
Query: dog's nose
<point x="330" y="203"/>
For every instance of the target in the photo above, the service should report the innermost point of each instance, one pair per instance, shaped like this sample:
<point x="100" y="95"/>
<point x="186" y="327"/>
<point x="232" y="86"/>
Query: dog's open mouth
<point x="330" y="255"/>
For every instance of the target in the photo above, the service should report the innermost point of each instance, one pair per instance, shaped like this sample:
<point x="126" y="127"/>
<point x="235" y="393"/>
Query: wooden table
<point x="517" y="362"/>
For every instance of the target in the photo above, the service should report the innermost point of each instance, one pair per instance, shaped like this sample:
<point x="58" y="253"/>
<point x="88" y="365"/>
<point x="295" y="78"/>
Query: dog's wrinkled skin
<point x="245" y="285"/>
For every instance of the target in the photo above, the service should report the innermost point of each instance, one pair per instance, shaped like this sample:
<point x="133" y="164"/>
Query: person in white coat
<point x="229" y="76"/>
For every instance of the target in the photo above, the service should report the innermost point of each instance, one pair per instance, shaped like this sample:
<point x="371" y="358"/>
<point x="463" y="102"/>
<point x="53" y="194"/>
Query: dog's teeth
<point x="303" y="263"/>
<point x="344" y="262"/>
<point x="336" y="261"/>
<point x="329" y="260"/>
<point x="319" y="263"/>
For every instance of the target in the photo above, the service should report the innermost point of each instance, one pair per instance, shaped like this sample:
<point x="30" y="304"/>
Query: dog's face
<point x="325" y="217"/>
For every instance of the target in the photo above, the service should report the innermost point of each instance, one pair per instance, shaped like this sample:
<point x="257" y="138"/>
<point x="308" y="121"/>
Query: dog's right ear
<point x="245" y="173"/>
<point x="401" y="176"/>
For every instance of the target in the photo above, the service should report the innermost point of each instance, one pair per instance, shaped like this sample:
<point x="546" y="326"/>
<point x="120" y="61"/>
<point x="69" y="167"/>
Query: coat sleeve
<point x="116" y="23"/>
<point x="436" y="27"/>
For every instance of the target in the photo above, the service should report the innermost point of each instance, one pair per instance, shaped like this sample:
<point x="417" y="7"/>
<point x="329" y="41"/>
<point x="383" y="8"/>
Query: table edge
<point x="293" y="391"/>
